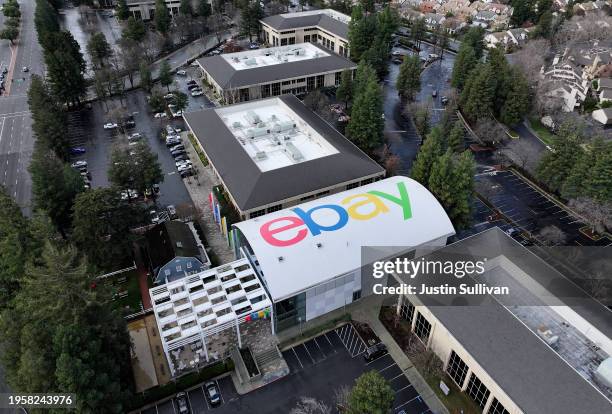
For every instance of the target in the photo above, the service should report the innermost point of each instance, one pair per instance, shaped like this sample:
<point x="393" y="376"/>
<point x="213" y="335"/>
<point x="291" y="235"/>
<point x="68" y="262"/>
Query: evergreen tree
<point x="165" y="75"/>
<point x="138" y="171"/>
<point x="387" y="24"/>
<point x="366" y="126"/>
<point x="65" y="68"/>
<point x="422" y="120"/>
<point x="185" y="8"/>
<point x="418" y="29"/>
<point x="478" y="95"/>
<point x="377" y="57"/>
<point x="134" y="30"/>
<point x="517" y="101"/>
<point x="429" y="152"/>
<point x="98" y="48"/>
<point x="456" y="138"/>
<point x="362" y="30"/>
<point x="461" y="212"/>
<point x="544" y="27"/>
<point x="122" y="10"/>
<point x="161" y="17"/>
<point x="475" y="39"/>
<point x="345" y="89"/>
<point x="555" y="166"/>
<point x="364" y="73"/>
<point x="409" y="78"/>
<point x="523" y="11"/>
<point x="204" y="10"/>
<point x="371" y="394"/>
<point x="46" y="21"/>
<point x="464" y="64"/>
<point x="146" y="78"/>
<point x="599" y="180"/>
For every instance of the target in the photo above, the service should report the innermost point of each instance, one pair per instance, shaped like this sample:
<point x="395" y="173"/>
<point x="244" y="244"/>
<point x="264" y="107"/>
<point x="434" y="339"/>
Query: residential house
<point x="454" y="7"/>
<point x="428" y="7"/>
<point x="496" y="39"/>
<point x="512" y="38"/>
<point x="453" y="25"/>
<point x="604" y="89"/>
<point x="433" y="20"/>
<point x="484" y="18"/>
<point x="603" y="116"/>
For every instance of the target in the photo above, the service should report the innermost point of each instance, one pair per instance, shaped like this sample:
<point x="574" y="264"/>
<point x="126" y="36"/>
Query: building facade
<point x="326" y="27"/>
<point x="262" y="73"/>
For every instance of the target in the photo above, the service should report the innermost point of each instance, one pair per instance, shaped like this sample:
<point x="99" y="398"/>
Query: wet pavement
<point x="399" y="132"/>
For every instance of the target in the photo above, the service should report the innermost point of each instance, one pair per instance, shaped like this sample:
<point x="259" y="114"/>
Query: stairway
<point x="267" y="357"/>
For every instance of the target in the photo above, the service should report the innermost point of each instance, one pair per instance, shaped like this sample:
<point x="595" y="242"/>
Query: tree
<point x="418" y="29"/>
<point x="362" y="31"/>
<point x="544" y="27"/>
<point x="422" y="119"/>
<point x="54" y="186"/>
<point x="409" y="78"/>
<point x="456" y="138"/>
<point x="146" y="78"/>
<point x="101" y="226"/>
<point x="516" y="102"/>
<point x="597" y="214"/>
<point x="137" y="168"/>
<point x="522" y="12"/>
<point x="46" y="21"/>
<point x="185" y="8"/>
<point x="122" y="10"/>
<point x="161" y="17"/>
<point x="180" y="100"/>
<point x="130" y="56"/>
<point x="367" y="5"/>
<point x="489" y="132"/>
<point x="371" y="394"/>
<point x="9" y="33"/>
<point x="14" y="247"/>
<point x="98" y="48"/>
<point x="599" y="180"/>
<point x="475" y="39"/>
<point x="366" y="125"/>
<point x="429" y="152"/>
<point x="65" y="68"/>
<point x="479" y="93"/>
<point x="377" y="56"/>
<point x="134" y="30"/>
<point x="204" y="10"/>
<point x="165" y="75"/>
<point x="556" y="165"/>
<point x="345" y="89"/>
<point x="464" y="64"/>
<point x="49" y="120"/>
<point x="364" y="73"/>
<point x="251" y="13"/>
<point x="308" y="405"/>
<point x="552" y="236"/>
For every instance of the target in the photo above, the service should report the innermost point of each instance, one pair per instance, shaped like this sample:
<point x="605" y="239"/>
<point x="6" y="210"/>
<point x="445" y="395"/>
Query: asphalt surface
<point x="402" y="138"/>
<point x="318" y="368"/>
<point x="16" y="141"/>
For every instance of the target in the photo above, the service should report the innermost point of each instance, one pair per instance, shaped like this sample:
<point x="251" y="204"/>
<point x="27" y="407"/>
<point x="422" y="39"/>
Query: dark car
<point x="191" y="87"/>
<point x="176" y="153"/>
<point x="181" y="402"/>
<point x="375" y="351"/>
<point x="212" y="393"/>
<point x="191" y="82"/>
<point x="77" y="150"/>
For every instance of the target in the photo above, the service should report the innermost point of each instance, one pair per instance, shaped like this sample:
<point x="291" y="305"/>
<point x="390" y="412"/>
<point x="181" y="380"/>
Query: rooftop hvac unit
<point x="294" y="152"/>
<point x="283" y="126"/>
<point x="256" y="132"/>
<point x="237" y="125"/>
<point x="261" y="155"/>
<point x="250" y="62"/>
<point x="252" y="117"/>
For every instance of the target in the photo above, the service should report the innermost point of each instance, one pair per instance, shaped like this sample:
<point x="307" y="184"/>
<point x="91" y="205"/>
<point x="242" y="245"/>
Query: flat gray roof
<point x="229" y="78"/>
<point x="252" y="188"/>
<point x="529" y="371"/>
<point x="295" y="21"/>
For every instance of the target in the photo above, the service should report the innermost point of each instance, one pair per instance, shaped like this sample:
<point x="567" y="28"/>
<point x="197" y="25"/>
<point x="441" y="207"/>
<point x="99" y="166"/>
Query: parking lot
<point x="318" y="367"/>
<point x="530" y="210"/>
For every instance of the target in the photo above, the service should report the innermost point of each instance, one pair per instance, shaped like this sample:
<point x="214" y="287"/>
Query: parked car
<point x="130" y="123"/>
<point x="154" y="216"/>
<point x="177" y="130"/>
<point x="182" y="157"/>
<point x="212" y="393"/>
<point x="176" y="147"/>
<point x="110" y="125"/>
<point x="79" y="164"/>
<point x="25" y="69"/>
<point x="186" y="173"/>
<point x="178" y="163"/>
<point x="131" y="194"/>
<point x="444" y="100"/>
<point x="172" y="142"/>
<point x="193" y="86"/>
<point x="197" y="92"/>
<point x="181" y="402"/>
<point x="375" y="351"/>
<point x="135" y="136"/>
<point x="191" y="82"/>
<point x="77" y="150"/>
<point x="181" y="72"/>
<point x="171" y="211"/>
<point x="512" y="231"/>
<point x="253" y="46"/>
<point x="194" y="64"/>
<point x="434" y="93"/>
<point x="397" y="60"/>
<point x="169" y="96"/>
<point x="160" y="115"/>
<point x="5" y="70"/>
<point x="176" y="153"/>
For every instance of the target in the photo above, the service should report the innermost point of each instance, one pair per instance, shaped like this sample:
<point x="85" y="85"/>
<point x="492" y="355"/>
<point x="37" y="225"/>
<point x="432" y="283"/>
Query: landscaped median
<point x="181" y="384"/>
<point x="197" y="149"/>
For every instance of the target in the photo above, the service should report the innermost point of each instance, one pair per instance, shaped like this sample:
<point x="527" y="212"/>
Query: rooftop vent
<point x="281" y="258"/>
<point x="319" y="245"/>
<point x="261" y="155"/>
<point x="252" y="117"/>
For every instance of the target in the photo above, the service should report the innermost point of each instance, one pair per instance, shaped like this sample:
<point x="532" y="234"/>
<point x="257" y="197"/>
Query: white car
<point x="78" y="164"/>
<point x="181" y="72"/>
<point x="135" y="136"/>
<point x="184" y="167"/>
<point x="110" y="125"/>
<point x="160" y="115"/>
<point x="169" y="129"/>
<point x="194" y="64"/>
<point x="132" y="194"/>
<point x="197" y="92"/>
<point x="177" y="114"/>
<point x="179" y="164"/>
<point x="169" y="96"/>
<point x="177" y="130"/>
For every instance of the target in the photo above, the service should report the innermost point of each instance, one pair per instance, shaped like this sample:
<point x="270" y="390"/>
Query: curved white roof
<point x="303" y="246"/>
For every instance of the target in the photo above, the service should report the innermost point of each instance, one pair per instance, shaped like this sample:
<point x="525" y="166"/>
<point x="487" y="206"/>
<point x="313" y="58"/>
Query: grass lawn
<point x="542" y="131"/>
<point x="130" y="303"/>
<point x="456" y="401"/>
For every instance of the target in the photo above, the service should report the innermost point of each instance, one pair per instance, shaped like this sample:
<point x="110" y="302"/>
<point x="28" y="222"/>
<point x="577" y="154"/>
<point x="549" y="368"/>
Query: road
<point x="16" y="141"/>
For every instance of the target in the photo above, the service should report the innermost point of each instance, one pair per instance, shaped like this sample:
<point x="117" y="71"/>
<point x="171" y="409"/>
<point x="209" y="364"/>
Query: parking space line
<point x="320" y="349"/>
<point x="374" y="360"/>
<point x="173" y="408"/>
<point x="409" y="401"/>
<point x="204" y="395"/>
<point x="298" y="358"/>
<point x="387" y="367"/>
<point x="220" y="393"/>
<point x="308" y="352"/>
<point x="396" y="377"/>
<point x="189" y="402"/>
<point x="326" y="337"/>
<point x="402" y="389"/>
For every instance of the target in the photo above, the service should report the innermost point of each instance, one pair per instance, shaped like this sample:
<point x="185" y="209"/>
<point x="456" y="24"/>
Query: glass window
<point x="276" y="89"/>
<point x="407" y="312"/>
<point x="320" y="81"/>
<point x="283" y="42"/>
<point x="356" y="295"/>
<point x="422" y="328"/>
<point x="457" y="369"/>
<point x="310" y="83"/>
<point x="306" y="38"/>
<point x="257" y="213"/>
<point x="338" y="78"/>
<point x="477" y="391"/>
<point x="272" y="209"/>
<point x="352" y="185"/>
<point x="497" y="408"/>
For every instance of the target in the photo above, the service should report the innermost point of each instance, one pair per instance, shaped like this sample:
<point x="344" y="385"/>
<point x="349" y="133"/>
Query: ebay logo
<point x="290" y="230"/>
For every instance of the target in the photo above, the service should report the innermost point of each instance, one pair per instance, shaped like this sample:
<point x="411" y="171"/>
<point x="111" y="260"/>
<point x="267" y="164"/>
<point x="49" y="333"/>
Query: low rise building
<point x="535" y="349"/>
<point x="262" y="73"/>
<point x="603" y="116"/>
<point x="276" y="153"/>
<point x="145" y="9"/>
<point x="327" y="27"/>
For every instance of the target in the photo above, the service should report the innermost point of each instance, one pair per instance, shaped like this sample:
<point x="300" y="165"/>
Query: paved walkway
<point x="368" y="311"/>
<point x="199" y="188"/>
<point x="143" y="274"/>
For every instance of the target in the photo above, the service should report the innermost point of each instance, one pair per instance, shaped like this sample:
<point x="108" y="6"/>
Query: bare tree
<point x="309" y="405"/>
<point x="522" y="153"/>
<point x="531" y="58"/>
<point x="390" y="161"/>
<point x="341" y="397"/>
<point x="592" y="26"/>
<point x="489" y="131"/>
<point x="552" y="236"/>
<point x="597" y="214"/>
<point x="425" y="359"/>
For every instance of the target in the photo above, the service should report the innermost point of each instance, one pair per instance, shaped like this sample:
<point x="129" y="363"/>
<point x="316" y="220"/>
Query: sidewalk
<point x="368" y="312"/>
<point x="199" y="187"/>
<point x="143" y="274"/>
